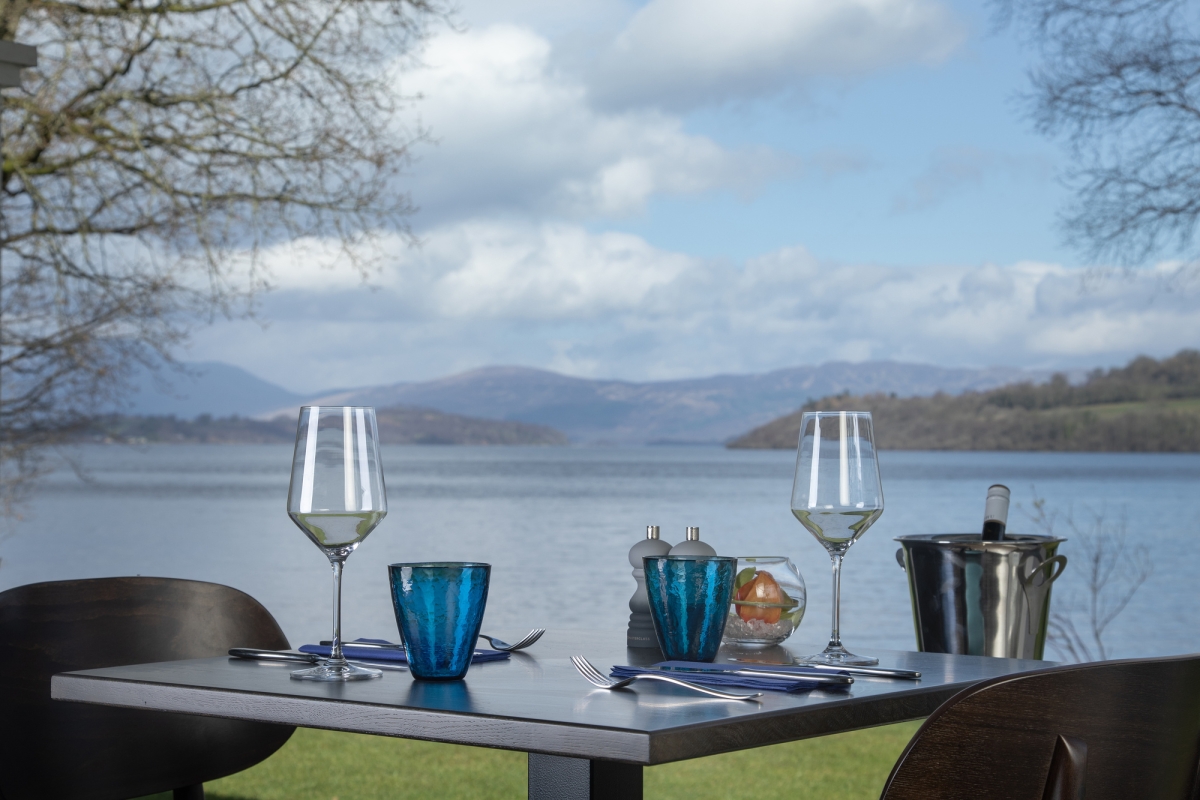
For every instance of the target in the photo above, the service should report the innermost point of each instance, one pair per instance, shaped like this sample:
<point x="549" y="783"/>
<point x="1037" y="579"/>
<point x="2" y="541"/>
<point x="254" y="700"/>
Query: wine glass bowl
<point x="836" y="496"/>
<point x="337" y="497"/>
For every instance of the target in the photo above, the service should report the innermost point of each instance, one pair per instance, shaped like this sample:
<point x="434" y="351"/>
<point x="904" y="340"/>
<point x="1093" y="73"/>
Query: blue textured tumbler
<point x="689" y="603"/>
<point x="439" y="608"/>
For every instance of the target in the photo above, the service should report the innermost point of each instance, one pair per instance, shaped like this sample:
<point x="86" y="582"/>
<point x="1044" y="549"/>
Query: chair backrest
<point x="61" y="750"/>
<point x="1114" y="729"/>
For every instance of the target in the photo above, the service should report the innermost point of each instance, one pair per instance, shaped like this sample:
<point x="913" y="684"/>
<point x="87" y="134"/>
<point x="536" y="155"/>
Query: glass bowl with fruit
<point x="768" y="601"/>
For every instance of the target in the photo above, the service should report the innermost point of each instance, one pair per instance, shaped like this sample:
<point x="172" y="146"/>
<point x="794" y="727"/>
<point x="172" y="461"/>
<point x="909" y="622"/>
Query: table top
<point x="537" y="702"/>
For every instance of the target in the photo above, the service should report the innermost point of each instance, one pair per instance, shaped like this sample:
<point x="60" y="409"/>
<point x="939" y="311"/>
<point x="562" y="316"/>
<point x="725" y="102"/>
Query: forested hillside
<point x="1148" y="405"/>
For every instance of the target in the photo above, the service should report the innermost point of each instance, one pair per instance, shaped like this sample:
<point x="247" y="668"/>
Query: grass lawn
<point x="1106" y="410"/>
<point x="322" y="765"/>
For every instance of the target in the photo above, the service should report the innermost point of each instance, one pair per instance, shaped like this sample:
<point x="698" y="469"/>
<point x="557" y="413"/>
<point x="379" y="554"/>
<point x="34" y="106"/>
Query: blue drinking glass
<point x="439" y="608"/>
<point x="689" y="603"/>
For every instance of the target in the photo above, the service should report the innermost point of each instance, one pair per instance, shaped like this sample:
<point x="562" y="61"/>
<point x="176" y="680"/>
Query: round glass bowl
<point x="768" y="601"/>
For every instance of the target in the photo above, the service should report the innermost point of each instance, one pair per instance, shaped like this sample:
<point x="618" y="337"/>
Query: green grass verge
<point x="322" y="765"/>
<point x="1106" y="410"/>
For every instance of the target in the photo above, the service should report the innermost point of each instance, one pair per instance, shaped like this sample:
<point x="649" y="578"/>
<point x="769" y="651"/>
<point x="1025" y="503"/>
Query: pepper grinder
<point x="641" y="628"/>
<point x="692" y="546"/>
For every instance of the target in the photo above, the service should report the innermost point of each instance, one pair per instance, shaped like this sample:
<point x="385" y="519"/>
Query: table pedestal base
<point x="562" y="778"/>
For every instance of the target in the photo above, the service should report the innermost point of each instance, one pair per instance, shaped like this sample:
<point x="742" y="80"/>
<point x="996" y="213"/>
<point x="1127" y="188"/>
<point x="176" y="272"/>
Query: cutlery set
<point x="312" y="658"/>
<point x="304" y="658"/>
<point x="820" y="679"/>
<point x="597" y="678"/>
<point x="826" y="677"/>
<point x="871" y="672"/>
<point x="497" y="644"/>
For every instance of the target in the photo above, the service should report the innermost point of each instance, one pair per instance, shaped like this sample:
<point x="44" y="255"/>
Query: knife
<point x="304" y="658"/>
<point x="871" y="672"/>
<point x="831" y="679"/>
<point x="375" y="645"/>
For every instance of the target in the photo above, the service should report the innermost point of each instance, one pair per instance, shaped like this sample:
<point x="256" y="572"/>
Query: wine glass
<point x="837" y="496"/>
<point x="337" y="498"/>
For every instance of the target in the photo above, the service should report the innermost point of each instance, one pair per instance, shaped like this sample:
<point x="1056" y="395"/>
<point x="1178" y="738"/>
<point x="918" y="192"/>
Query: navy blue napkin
<point x="712" y="676"/>
<point x="396" y="656"/>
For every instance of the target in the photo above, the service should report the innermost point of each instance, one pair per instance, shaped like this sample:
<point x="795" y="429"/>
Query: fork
<point x="596" y="678"/>
<point x="500" y="644"/>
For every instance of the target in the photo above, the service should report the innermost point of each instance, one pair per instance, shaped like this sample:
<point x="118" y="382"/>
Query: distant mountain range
<point x="694" y="411"/>
<point x="697" y="411"/>
<point x="206" y="387"/>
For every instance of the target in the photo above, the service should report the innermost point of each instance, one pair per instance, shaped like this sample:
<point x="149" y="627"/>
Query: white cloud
<point x="611" y="305"/>
<point x="488" y="270"/>
<point x="514" y="135"/>
<point x="682" y="54"/>
<point x="553" y="272"/>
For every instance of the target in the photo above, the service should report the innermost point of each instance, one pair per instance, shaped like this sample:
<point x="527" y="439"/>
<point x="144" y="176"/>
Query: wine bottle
<point x="995" y="513"/>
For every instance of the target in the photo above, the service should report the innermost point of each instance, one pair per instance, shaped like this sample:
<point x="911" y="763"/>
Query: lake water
<point x="557" y="523"/>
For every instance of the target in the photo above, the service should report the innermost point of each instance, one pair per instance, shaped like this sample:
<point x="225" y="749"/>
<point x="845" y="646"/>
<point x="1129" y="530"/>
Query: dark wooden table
<point x="582" y="742"/>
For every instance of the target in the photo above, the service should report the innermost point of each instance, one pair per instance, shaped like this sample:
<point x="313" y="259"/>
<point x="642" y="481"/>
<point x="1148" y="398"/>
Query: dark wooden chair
<point x="1114" y="730"/>
<point x="72" y="751"/>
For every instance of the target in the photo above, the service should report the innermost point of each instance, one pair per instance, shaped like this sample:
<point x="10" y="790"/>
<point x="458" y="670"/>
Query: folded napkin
<point x="397" y="656"/>
<point x="712" y="675"/>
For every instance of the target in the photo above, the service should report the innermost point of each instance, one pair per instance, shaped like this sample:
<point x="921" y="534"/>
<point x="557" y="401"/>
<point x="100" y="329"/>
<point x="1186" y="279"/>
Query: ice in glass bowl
<point x="768" y="601"/>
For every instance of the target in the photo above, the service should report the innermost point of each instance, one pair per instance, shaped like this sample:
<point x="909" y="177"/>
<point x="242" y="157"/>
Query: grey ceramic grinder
<point x="641" y="629"/>
<point x="692" y="546"/>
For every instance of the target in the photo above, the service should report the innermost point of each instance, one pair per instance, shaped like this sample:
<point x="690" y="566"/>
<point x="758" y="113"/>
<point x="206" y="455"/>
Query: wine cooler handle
<point x="1059" y="564"/>
<point x="900" y="557"/>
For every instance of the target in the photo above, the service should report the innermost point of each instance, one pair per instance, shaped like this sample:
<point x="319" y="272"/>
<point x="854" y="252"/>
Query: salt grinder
<point x="641" y="629"/>
<point x="692" y="546"/>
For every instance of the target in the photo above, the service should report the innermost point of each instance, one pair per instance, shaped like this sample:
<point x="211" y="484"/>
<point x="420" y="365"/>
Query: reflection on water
<point x="556" y="524"/>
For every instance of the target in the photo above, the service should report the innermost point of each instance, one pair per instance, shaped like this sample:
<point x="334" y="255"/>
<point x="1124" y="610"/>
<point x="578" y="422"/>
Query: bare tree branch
<point x="1120" y="82"/>
<point x="1113" y="572"/>
<point x="153" y="154"/>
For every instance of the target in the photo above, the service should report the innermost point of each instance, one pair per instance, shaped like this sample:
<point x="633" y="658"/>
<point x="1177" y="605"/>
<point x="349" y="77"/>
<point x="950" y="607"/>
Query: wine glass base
<point x="344" y="671"/>
<point x="838" y="657"/>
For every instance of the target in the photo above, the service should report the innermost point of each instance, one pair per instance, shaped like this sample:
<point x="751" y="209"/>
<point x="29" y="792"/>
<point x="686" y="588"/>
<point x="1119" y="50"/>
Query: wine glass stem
<point x="835" y="638"/>
<point x="335" y="651"/>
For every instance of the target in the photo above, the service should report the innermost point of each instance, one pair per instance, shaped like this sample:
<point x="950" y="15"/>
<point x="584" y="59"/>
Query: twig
<point x="1113" y="570"/>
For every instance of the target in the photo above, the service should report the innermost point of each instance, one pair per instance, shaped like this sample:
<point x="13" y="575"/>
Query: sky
<point x="680" y="188"/>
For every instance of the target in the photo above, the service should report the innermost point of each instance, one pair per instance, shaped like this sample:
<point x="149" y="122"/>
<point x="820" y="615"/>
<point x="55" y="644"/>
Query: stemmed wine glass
<point x="337" y="498"/>
<point x="837" y="496"/>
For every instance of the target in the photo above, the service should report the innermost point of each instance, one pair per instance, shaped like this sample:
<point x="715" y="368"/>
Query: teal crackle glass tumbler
<point x="689" y="603"/>
<point x="439" y="608"/>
